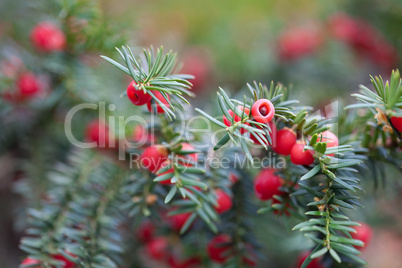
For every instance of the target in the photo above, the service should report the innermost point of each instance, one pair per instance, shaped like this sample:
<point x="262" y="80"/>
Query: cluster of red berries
<point x="27" y="84"/>
<point x="286" y="143"/>
<point x="139" y="97"/>
<point x="219" y="250"/>
<point x="364" y="39"/>
<point x="299" y="41"/>
<point x="30" y="262"/>
<point x="158" y="248"/>
<point x="262" y="111"/>
<point x="296" y="42"/>
<point x="45" y="37"/>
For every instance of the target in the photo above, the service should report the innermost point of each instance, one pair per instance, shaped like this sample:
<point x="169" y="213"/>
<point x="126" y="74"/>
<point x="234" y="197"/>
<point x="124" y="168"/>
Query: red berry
<point x="187" y="158"/>
<point x="192" y="262"/>
<point x="98" y="132"/>
<point x="315" y="263"/>
<point x="47" y="37"/>
<point x="344" y="27"/>
<point x="330" y="138"/>
<point x="141" y="134"/>
<point x="272" y="134"/>
<point x="237" y="118"/>
<point x="300" y="157"/>
<point x="158" y="248"/>
<point x="28" y="85"/>
<point x="29" y="261"/>
<point x="218" y="248"/>
<point x="397" y="123"/>
<point x="160" y="97"/>
<point x="224" y="201"/>
<point x="145" y="232"/>
<point x="168" y="180"/>
<point x="197" y="64"/>
<point x="263" y="111"/>
<point x="299" y="41"/>
<point x="267" y="184"/>
<point x="67" y="262"/>
<point x="137" y="96"/>
<point x="363" y="233"/>
<point x="154" y="157"/>
<point x="176" y="222"/>
<point x="233" y="178"/>
<point x="284" y="141"/>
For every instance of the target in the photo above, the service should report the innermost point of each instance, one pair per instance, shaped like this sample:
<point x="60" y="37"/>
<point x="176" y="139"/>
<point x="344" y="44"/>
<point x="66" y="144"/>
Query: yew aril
<point x="47" y="37"/>
<point x="397" y="123"/>
<point x="330" y="138"/>
<point x="28" y="85"/>
<point x="224" y="201"/>
<point x="267" y="184"/>
<point x="154" y="157"/>
<point x="283" y="141"/>
<point x="157" y="248"/>
<point x="315" y="263"/>
<point x="273" y="133"/>
<point x="137" y="96"/>
<point x="299" y="156"/>
<point x="98" y="132"/>
<point x="156" y="106"/>
<point x="218" y="248"/>
<point x="363" y="233"/>
<point x="237" y="118"/>
<point x="263" y="111"/>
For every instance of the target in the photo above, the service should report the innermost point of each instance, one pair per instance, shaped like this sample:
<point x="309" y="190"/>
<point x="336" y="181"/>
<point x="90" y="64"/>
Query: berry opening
<point x="264" y="110"/>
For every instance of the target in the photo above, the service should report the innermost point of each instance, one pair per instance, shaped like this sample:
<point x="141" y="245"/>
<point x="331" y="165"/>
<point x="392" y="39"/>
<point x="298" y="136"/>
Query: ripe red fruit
<point x="397" y="123"/>
<point x="141" y="134"/>
<point x="315" y="263"/>
<point x="192" y="262"/>
<point x="284" y="141"/>
<point x="47" y="37"/>
<point x="98" y="132"/>
<point x="187" y="158"/>
<point x="29" y="261"/>
<point x="300" y="157"/>
<point x="330" y="138"/>
<point x="263" y="111"/>
<point x="224" y="201"/>
<point x="145" y="232"/>
<point x="218" y="247"/>
<point x="344" y="27"/>
<point x="28" y="85"/>
<point x="237" y="118"/>
<point x="168" y="180"/>
<point x="160" y="97"/>
<point x="196" y="63"/>
<point x="137" y="96"/>
<point x="157" y="248"/>
<point x="176" y="222"/>
<point x="267" y="184"/>
<point x="154" y="157"/>
<point x="272" y="134"/>
<point x="67" y="262"/>
<point x="299" y="41"/>
<point x="233" y="178"/>
<point x="363" y="233"/>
